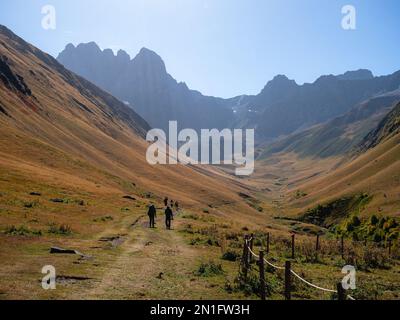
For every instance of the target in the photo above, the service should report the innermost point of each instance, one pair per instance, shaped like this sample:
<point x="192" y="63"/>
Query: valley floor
<point x="124" y="259"/>
<point x="127" y="260"/>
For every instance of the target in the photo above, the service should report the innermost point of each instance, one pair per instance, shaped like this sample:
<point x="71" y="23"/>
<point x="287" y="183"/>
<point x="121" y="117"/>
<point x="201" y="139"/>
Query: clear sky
<point x="224" y="47"/>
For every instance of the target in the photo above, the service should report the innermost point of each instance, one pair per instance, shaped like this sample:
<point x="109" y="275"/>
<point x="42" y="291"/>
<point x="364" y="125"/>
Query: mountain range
<point x="281" y="108"/>
<point x="337" y="136"/>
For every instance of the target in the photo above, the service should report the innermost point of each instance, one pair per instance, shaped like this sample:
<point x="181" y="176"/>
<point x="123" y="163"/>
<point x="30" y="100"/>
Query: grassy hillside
<point x="388" y="127"/>
<point x="338" y="136"/>
<point x="375" y="173"/>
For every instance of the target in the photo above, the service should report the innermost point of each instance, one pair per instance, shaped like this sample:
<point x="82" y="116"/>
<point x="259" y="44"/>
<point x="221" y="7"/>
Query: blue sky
<point x="224" y="47"/>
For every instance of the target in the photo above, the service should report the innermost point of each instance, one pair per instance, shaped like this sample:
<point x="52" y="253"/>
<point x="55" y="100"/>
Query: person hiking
<point x="152" y="215"/>
<point x="172" y="203"/>
<point x="176" y="205"/>
<point x="166" y="201"/>
<point x="168" y="217"/>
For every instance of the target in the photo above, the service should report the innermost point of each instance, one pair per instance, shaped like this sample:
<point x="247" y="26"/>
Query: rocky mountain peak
<point x="361" y="74"/>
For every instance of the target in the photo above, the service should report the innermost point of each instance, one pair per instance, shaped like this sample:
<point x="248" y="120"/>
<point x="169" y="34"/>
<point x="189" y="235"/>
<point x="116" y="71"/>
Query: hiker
<point x="166" y="201"/>
<point x="168" y="217"/>
<point x="176" y="205"/>
<point x="172" y="203"/>
<point x="152" y="215"/>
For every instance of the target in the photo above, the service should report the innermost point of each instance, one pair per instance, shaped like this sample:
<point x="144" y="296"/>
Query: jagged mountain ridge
<point x="284" y="107"/>
<point x="281" y="108"/>
<point x="144" y="83"/>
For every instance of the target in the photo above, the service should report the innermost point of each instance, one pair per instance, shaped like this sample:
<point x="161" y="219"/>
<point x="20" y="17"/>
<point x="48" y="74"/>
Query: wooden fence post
<point x="340" y="291"/>
<point x="245" y="257"/>
<point x="251" y="247"/>
<point x="342" y="247"/>
<point x="268" y="243"/>
<point x="288" y="281"/>
<point x="247" y="260"/>
<point x="262" y="275"/>
<point x="293" y="237"/>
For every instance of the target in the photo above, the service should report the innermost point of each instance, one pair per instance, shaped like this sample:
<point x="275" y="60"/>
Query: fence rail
<point x="249" y="255"/>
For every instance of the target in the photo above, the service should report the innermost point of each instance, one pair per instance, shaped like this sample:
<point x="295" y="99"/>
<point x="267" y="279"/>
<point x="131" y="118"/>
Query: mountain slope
<point x="374" y="172"/>
<point x="338" y="136"/>
<point x="144" y="83"/>
<point x="388" y="127"/>
<point x="55" y="121"/>
<point x="284" y="107"/>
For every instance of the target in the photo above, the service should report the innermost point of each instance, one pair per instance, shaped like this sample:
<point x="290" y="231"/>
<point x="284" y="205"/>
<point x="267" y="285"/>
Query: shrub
<point x="30" y="205"/>
<point x="213" y="242"/>
<point x="61" y="229"/>
<point x="188" y="228"/>
<point x="232" y="236"/>
<point x="103" y="219"/>
<point x="22" y="231"/>
<point x="374" y="220"/>
<point x="249" y="285"/>
<point x="230" y="255"/>
<point x="300" y="194"/>
<point x="196" y="241"/>
<point x="191" y="216"/>
<point x="209" y="269"/>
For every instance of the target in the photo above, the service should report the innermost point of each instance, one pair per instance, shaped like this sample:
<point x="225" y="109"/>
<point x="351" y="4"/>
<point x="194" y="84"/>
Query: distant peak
<point x="69" y="46"/>
<point x="278" y="86"/>
<point x="90" y="46"/>
<point x="108" y="52"/>
<point x="123" y="54"/>
<point x="280" y="77"/>
<point x="280" y="81"/>
<point x="361" y="74"/>
<point x="149" y="57"/>
<point x="147" y="52"/>
<point x="326" y="78"/>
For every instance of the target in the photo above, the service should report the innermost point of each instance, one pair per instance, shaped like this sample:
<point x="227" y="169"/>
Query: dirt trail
<point x="151" y="264"/>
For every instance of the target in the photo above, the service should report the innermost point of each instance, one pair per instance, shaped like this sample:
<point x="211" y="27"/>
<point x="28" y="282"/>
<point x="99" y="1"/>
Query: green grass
<point x="334" y="212"/>
<point x="21" y="231"/>
<point x="209" y="269"/>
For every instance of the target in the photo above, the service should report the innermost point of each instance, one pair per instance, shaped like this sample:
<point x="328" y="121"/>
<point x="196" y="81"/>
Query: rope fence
<point x="249" y="254"/>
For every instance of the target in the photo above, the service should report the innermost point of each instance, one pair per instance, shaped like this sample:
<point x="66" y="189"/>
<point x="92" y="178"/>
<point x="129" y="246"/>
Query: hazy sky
<point x="224" y="47"/>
